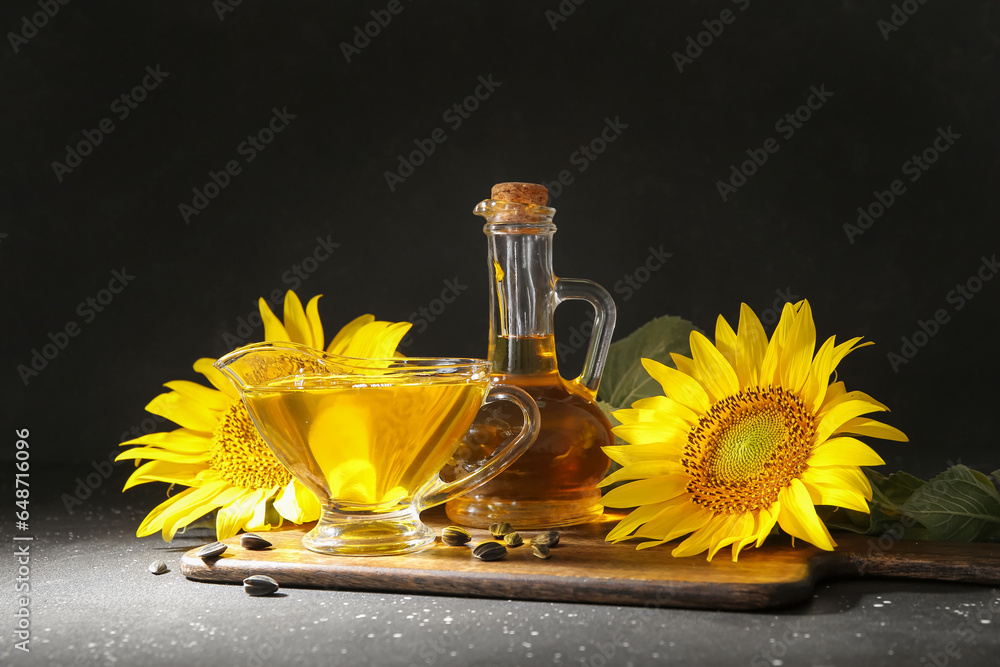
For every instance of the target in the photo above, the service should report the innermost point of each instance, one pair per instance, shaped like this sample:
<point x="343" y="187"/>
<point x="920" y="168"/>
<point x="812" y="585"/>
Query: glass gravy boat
<point x="369" y="436"/>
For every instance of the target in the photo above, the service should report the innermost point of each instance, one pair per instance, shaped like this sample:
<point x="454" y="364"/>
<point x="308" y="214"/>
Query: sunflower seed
<point x="513" y="540"/>
<point x="454" y="536"/>
<point x="259" y="584"/>
<point x="549" y="539"/>
<point x="158" y="567"/>
<point x="540" y="551"/>
<point x="490" y="551"/>
<point x="500" y="529"/>
<point x="253" y="542"/>
<point x="213" y="550"/>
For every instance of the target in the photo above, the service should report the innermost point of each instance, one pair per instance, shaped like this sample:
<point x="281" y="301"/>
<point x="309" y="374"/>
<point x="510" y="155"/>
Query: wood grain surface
<point x="585" y="568"/>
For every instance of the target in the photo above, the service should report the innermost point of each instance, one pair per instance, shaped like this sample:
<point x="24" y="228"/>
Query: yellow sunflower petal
<point x="214" y="375"/>
<point x="642" y="470"/>
<point x="716" y="374"/>
<point x="184" y="411"/>
<point x="258" y="521"/>
<point x="210" y="398"/>
<point x="680" y="517"/>
<point x="636" y="518"/>
<point x="181" y="440"/>
<point x="652" y="451"/>
<point x="844" y="477"/>
<point x="798" y="516"/>
<point x="768" y="517"/>
<point x="676" y="385"/>
<point x="196" y="505"/>
<point x="844" y="451"/>
<point x="344" y="336"/>
<point x="641" y="433"/>
<point x="644" y="491"/>
<point x="274" y="330"/>
<point x="814" y="389"/>
<point x="770" y="365"/>
<point x="798" y="350"/>
<point x="700" y="540"/>
<point x="725" y="340"/>
<point x="826" y="495"/>
<point x="751" y="342"/>
<point x="871" y="428"/>
<point x="315" y="323"/>
<point x="157" y="454"/>
<point x="296" y="324"/>
<point x="666" y="406"/>
<point x="297" y="503"/>
<point x="684" y="364"/>
<point x="229" y="519"/>
<point x="164" y="471"/>
<point x="844" y="411"/>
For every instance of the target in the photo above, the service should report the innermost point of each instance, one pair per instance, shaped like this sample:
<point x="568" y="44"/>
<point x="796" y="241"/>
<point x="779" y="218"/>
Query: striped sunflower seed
<point x="500" y="528"/>
<point x="158" y="567"/>
<point x="513" y="540"/>
<point x="259" y="584"/>
<point x="549" y="539"/>
<point x="490" y="551"/>
<point x="454" y="536"/>
<point x="213" y="550"/>
<point x="253" y="542"/>
<point x="540" y="551"/>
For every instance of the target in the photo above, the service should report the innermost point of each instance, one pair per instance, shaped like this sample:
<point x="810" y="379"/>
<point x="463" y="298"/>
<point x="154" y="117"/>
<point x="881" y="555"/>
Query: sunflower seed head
<point x="158" y="567"/>
<point x="540" y="551"/>
<point x="549" y="539"/>
<point x="454" y="536"/>
<point x="253" y="542"/>
<point x="513" y="540"/>
<point x="490" y="551"/>
<point x="259" y="584"/>
<point x="500" y="529"/>
<point x="213" y="550"/>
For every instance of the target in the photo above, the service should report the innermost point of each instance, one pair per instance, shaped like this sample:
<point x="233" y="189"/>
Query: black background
<point x="324" y="176"/>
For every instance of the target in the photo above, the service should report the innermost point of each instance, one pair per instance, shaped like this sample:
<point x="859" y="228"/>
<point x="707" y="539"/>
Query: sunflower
<point x="219" y="455"/>
<point x="750" y="433"/>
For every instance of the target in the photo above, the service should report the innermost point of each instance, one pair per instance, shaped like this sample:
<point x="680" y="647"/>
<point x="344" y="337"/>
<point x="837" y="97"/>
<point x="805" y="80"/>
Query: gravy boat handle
<point x="438" y="492"/>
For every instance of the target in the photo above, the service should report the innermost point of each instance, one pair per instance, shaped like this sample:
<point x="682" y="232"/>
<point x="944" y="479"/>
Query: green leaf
<point x="625" y="380"/>
<point x="960" y="504"/>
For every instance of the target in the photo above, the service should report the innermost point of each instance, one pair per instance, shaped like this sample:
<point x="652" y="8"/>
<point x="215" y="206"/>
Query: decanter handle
<point x="567" y="289"/>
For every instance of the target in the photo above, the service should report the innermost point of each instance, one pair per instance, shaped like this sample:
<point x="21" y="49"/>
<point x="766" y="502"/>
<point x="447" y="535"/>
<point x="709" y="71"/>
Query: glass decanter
<point x="554" y="483"/>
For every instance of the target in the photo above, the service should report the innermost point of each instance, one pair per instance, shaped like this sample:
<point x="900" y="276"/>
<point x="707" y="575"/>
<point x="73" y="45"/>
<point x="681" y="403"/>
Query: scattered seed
<point x="158" y="567"/>
<point x="454" y="536"/>
<point x="253" y="542"/>
<point x="549" y="539"/>
<point x="500" y="529"/>
<point x="540" y="551"/>
<point x="513" y="540"/>
<point x="490" y="551"/>
<point x="259" y="584"/>
<point x="213" y="550"/>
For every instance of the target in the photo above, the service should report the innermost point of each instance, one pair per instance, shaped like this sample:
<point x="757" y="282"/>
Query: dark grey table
<point x="93" y="602"/>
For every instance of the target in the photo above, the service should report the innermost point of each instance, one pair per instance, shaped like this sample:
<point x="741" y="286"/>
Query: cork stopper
<point x="522" y="193"/>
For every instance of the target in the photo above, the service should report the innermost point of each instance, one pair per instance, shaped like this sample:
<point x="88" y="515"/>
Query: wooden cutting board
<point x="585" y="568"/>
